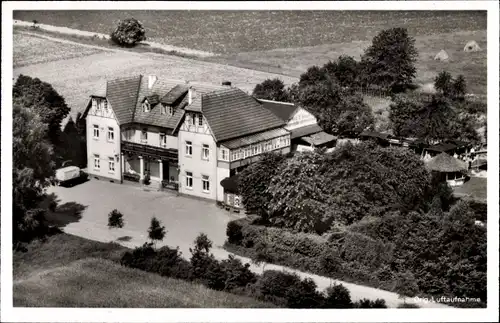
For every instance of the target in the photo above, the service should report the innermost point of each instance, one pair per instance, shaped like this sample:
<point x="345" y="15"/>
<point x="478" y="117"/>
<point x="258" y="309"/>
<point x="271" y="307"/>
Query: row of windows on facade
<point x="110" y="134"/>
<point x="205" y="181"/>
<point x="242" y="153"/>
<point x="111" y="163"/>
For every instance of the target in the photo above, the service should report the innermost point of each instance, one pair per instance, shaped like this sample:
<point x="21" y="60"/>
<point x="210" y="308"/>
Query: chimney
<point x="151" y="81"/>
<point x="190" y="95"/>
<point x="226" y="83"/>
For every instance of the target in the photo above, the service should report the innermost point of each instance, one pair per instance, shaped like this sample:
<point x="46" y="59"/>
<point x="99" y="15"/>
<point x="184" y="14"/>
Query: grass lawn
<point x="27" y="50"/>
<point x="476" y="187"/>
<point x="68" y="271"/>
<point x="228" y="32"/>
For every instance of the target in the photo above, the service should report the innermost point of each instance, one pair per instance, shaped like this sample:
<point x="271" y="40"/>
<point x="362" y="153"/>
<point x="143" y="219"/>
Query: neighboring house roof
<point x="282" y="110"/>
<point x="122" y="95"/>
<point x="305" y="131"/>
<point x="373" y="134"/>
<point x="319" y="138"/>
<point x="252" y="139"/>
<point x="232" y="113"/>
<point x="446" y="164"/>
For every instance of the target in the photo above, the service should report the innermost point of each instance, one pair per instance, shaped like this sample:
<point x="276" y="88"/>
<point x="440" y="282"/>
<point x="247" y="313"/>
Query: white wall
<point x="153" y="138"/>
<point x="300" y="119"/>
<point x="195" y="164"/>
<point x="102" y="146"/>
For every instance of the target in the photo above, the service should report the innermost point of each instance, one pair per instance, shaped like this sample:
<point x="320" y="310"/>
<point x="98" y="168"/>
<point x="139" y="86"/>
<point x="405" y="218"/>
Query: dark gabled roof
<point x="373" y="134"/>
<point x="232" y="113"/>
<point x="122" y="95"/>
<point x="282" y="110"/>
<point x="255" y="138"/>
<point x="153" y="99"/>
<point x="305" y="131"/>
<point x="174" y="94"/>
<point x="319" y="138"/>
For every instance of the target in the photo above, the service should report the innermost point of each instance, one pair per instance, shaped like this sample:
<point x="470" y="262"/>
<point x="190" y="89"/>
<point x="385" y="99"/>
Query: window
<point x="171" y="110"/>
<point x="163" y="140"/>
<point x="247" y="152"/>
<point x="105" y="104"/>
<point x="234" y="155"/>
<point x="259" y="148"/>
<point x="205" y="152"/>
<point x="111" y="134"/>
<point x="144" y="135"/>
<point x="224" y="154"/>
<point x="200" y="120"/>
<point x="145" y="106"/>
<point x="192" y="119"/>
<point x="254" y="150"/>
<point x="97" y="162"/>
<point x="128" y="134"/>
<point x="163" y="109"/>
<point x="111" y="164"/>
<point x="189" y="180"/>
<point x="98" y="104"/>
<point x="189" y="148"/>
<point x="96" y="131"/>
<point x="94" y="103"/>
<point x="206" y="183"/>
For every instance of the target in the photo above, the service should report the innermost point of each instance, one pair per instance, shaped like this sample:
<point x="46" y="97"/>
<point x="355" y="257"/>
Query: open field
<point x="68" y="271"/>
<point x="243" y="31"/>
<point x="27" y="50"/>
<point x="77" y="78"/>
<point x="295" y="61"/>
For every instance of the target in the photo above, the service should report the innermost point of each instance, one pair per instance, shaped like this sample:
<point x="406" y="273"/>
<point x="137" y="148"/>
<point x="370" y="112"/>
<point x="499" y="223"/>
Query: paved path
<point x="71" y="31"/>
<point x="183" y="217"/>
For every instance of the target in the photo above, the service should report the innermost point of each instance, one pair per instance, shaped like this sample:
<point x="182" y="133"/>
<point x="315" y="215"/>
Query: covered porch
<point x="141" y="161"/>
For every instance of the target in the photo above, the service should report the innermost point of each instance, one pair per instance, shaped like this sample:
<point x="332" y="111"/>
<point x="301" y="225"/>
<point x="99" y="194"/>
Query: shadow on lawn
<point x="65" y="214"/>
<point x="124" y="238"/>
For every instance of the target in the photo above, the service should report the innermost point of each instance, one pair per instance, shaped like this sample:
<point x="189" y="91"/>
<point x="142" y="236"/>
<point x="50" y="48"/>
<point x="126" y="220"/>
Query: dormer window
<point x="145" y="106"/>
<point x="171" y="110"/>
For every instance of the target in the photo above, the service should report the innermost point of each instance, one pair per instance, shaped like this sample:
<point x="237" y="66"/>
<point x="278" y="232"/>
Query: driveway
<point x="183" y="217"/>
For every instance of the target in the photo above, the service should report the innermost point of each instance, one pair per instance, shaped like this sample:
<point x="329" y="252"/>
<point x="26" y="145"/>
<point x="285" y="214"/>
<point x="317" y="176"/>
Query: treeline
<point x="39" y="147"/>
<point x="333" y="93"/>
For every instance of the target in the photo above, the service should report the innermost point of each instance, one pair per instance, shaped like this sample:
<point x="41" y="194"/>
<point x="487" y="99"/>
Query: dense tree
<point x="298" y="197"/>
<point x="32" y="170"/>
<point x="390" y="61"/>
<point x="337" y="296"/>
<point x="254" y="181"/>
<point x="338" y="110"/>
<point x="271" y="89"/>
<point x="128" y="33"/>
<point x="406" y="286"/>
<point x="435" y="120"/>
<point x="52" y="108"/>
<point x="443" y="83"/>
<point x="313" y="76"/>
<point x="459" y="88"/>
<point x="74" y="144"/>
<point x="345" y="70"/>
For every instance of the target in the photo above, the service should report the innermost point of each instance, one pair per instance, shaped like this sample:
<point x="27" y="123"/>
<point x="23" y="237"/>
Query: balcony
<point x="170" y="155"/>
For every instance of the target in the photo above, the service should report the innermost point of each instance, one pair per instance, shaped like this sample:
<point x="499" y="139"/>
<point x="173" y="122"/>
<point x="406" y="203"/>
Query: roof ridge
<point x="282" y="102"/>
<point x="137" y="97"/>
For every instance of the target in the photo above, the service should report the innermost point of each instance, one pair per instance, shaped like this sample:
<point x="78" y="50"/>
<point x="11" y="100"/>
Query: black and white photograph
<point x="258" y="156"/>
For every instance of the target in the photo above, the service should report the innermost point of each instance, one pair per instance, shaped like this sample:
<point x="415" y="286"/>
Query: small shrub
<point x="237" y="275"/>
<point x="366" y="303"/>
<point x="288" y="289"/>
<point x="115" y="219"/>
<point x="169" y="262"/>
<point x="156" y="231"/>
<point x="337" y="296"/>
<point x="140" y="258"/>
<point x="233" y="232"/>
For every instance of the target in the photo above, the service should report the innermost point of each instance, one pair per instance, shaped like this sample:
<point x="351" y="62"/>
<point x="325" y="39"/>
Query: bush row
<point x="231" y="275"/>
<point x="348" y="256"/>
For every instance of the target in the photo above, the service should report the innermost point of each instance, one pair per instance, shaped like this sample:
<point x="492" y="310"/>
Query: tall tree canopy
<point x="32" y="169"/>
<point x="254" y="182"/>
<point x="450" y="87"/>
<point x="338" y="110"/>
<point x="390" y="61"/>
<point x="434" y="120"/>
<point x="41" y="96"/>
<point x="271" y="89"/>
<point x="345" y="70"/>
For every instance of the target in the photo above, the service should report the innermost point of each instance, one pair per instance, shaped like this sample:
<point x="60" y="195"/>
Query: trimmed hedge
<point x="344" y="255"/>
